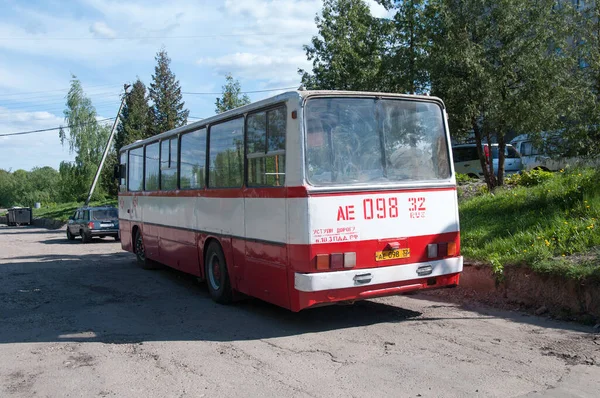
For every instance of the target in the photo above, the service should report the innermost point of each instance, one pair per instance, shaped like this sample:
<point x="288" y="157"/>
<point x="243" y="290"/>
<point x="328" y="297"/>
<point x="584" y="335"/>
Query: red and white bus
<point x="302" y="199"/>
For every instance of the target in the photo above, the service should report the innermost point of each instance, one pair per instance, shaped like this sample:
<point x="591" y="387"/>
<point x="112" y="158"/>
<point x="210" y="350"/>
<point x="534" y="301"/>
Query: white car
<point x="466" y="159"/>
<point x="535" y="158"/>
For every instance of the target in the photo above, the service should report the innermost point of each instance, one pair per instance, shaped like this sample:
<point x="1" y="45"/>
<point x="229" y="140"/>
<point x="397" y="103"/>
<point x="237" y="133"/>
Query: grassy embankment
<point x="545" y="221"/>
<point x="63" y="211"/>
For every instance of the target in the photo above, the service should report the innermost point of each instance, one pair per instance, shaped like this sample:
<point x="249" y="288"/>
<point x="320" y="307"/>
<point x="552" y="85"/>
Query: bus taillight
<point x="446" y="249"/>
<point x="322" y="261"/>
<point x="350" y="260"/>
<point x="335" y="260"/>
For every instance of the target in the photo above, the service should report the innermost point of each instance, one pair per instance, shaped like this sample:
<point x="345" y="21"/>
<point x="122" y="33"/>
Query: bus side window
<point x="226" y="154"/>
<point x="152" y="167"/>
<point x="193" y="160"/>
<point x="168" y="164"/>
<point x="135" y="170"/>
<point x="123" y="173"/>
<point x="266" y="148"/>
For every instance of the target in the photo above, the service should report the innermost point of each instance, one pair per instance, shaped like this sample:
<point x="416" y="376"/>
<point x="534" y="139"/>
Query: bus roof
<point x="298" y="94"/>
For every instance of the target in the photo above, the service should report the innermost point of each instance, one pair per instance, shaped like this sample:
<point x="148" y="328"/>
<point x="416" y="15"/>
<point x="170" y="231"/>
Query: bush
<point x="531" y="178"/>
<point x="543" y="226"/>
<point x="464" y="178"/>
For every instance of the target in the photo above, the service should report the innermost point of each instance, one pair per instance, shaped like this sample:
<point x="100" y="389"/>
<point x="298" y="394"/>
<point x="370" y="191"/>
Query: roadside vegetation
<point x="63" y="211"/>
<point x="545" y="221"/>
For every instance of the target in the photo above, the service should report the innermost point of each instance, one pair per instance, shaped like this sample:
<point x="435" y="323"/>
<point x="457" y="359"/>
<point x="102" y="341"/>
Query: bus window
<point x="226" y="148"/>
<point x="123" y="179"/>
<point x="193" y="160"/>
<point x="168" y="164"/>
<point x="136" y="169"/>
<point x="266" y="148"/>
<point x="152" y="167"/>
<point x="363" y="140"/>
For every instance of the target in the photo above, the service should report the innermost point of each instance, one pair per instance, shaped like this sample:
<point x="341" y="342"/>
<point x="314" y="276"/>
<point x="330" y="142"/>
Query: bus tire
<point x="140" y="252"/>
<point x="217" y="277"/>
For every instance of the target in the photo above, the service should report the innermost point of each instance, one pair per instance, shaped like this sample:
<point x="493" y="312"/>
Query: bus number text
<point x="380" y="208"/>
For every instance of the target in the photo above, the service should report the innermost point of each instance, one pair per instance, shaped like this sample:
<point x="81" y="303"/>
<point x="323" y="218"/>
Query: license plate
<point x="107" y="225"/>
<point x="392" y="254"/>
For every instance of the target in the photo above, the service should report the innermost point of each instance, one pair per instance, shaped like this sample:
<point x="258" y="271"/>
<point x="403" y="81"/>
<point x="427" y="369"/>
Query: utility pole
<point x="107" y="148"/>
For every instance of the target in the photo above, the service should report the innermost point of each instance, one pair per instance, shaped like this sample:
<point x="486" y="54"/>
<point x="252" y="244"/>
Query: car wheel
<point x="140" y="252"/>
<point x="217" y="277"/>
<point x="85" y="237"/>
<point x="117" y="238"/>
<point x="70" y="236"/>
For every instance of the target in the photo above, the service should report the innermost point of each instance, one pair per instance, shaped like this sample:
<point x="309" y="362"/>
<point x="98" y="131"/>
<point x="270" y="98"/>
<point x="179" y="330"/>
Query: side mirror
<point x="120" y="171"/>
<point x="71" y="218"/>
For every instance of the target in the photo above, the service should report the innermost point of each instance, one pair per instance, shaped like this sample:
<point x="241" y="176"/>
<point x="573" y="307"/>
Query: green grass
<point x="551" y="227"/>
<point x="63" y="211"/>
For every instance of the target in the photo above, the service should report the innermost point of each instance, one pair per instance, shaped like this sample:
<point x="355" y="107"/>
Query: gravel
<point x="83" y="320"/>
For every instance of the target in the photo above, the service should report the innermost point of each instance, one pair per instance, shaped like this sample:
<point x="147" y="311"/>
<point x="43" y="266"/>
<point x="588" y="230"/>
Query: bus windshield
<point x="367" y="140"/>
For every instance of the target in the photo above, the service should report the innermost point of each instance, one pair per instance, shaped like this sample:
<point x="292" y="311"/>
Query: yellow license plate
<point x="392" y="254"/>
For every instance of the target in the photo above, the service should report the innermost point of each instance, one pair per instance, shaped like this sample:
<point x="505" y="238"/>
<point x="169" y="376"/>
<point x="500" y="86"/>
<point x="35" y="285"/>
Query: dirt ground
<point x="83" y="320"/>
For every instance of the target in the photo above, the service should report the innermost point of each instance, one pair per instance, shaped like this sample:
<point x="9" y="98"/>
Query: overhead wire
<point x="150" y="37"/>
<point x="54" y="128"/>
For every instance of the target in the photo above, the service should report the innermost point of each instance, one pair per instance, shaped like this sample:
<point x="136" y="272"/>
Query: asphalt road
<point x="84" y="321"/>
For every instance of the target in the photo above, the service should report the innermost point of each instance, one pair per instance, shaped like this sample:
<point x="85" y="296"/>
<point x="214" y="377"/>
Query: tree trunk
<point x="482" y="158"/>
<point x="501" y="148"/>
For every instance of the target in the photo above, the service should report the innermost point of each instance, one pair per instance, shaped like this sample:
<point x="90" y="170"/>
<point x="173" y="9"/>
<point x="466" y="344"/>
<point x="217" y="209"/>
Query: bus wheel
<point x="140" y="252"/>
<point x="217" y="277"/>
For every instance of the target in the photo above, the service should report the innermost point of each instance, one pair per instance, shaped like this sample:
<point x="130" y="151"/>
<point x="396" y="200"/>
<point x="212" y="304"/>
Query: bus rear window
<point x="365" y="140"/>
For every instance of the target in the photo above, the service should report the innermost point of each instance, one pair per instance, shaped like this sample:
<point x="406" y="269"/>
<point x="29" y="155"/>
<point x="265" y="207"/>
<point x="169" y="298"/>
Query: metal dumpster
<point x="19" y="216"/>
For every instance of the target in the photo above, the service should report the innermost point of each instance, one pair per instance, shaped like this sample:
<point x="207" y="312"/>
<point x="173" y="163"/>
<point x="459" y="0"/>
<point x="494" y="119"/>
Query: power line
<point x="51" y="102"/>
<point x="153" y="37"/>
<point x="55" y="128"/>
<point x="243" y="92"/>
<point x="57" y="90"/>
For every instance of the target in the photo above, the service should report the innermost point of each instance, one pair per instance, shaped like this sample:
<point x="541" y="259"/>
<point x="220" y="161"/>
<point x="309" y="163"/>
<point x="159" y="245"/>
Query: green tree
<point x="498" y="66"/>
<point x="582" y="133"/>
<point x="232" y="96"/>
<point x="7" y="188"/>
<point x="348" y="51"/>
<point x="405" y="58"/>
<point x="86" y="138"/>
<point x="134" y="118"/>
<point x="43" y="186"/>
<point x="167" y="111"/>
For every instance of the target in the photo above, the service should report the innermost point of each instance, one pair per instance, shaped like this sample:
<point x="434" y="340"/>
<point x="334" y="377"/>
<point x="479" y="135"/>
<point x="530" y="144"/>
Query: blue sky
<point x="107" y="43"/>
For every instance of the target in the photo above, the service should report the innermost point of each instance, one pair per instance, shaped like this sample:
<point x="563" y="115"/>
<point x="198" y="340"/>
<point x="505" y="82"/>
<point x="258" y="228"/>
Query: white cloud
<point x="377" y="10"/>
<point x="28" y="151"/>
<point x="278" y="70"/>
<point x="101" y="29"/>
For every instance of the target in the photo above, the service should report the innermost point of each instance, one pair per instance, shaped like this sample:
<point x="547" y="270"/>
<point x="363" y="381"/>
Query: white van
<point x="466" y="159"/>
<point x="535" y="158"/>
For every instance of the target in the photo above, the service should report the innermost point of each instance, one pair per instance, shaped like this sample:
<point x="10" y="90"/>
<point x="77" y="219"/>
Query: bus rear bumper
<point x="322" y="281"/>
<point x="328" y="288"/>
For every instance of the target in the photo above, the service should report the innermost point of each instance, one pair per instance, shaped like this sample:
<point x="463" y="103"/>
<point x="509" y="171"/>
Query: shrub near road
<point x="545" y="221"/>
<point x="63" y="211"/>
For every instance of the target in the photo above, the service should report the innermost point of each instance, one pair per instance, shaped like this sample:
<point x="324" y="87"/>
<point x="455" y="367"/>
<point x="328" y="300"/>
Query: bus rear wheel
<point x="217" y="277"/>
<point x="140" y="252"/>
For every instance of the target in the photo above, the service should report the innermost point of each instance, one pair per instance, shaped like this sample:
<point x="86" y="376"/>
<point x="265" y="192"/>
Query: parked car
<point x="88" y="222"/>
<point x="538" y="158"/>
<point x="466" y="159"/>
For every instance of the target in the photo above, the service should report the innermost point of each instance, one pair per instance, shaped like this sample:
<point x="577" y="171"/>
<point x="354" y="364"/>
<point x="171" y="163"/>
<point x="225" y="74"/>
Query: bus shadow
<point x="107" y="298"/>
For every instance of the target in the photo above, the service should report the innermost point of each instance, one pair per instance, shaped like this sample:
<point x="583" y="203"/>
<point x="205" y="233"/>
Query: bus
<point x="303" y="199"/>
